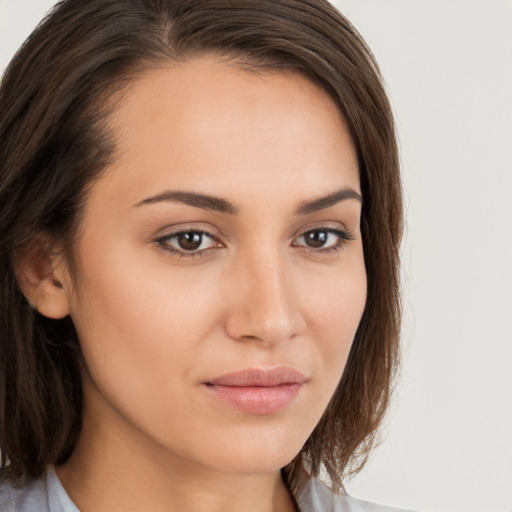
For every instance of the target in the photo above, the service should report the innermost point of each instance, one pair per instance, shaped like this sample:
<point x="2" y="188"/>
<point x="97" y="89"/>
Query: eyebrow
<point x="203" y="201"/>
<point x="217" y="204"/>
<point x="327" y="201"/>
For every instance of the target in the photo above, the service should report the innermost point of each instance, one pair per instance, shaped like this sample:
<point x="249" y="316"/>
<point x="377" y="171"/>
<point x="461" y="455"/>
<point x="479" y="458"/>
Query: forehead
<point x="210" y="124"/>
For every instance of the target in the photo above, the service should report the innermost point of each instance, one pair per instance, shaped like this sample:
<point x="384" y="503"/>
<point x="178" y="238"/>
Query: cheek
<point x="335" y="309"/>
<point x="140" y="329"/>
<point x="142" y="340"/>
<point x="337" y="319"/>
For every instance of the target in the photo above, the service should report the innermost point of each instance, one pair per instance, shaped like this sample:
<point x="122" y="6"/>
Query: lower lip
<point x="256" y="399"/>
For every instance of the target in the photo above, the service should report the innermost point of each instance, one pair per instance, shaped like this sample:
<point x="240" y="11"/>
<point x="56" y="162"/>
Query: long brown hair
<point x="54" y="101"/>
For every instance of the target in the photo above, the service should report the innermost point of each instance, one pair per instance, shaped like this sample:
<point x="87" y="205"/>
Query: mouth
<point x="258" y="390"/>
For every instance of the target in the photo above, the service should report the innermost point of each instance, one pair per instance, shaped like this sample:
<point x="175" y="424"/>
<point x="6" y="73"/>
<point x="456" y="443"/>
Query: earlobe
<point x="41" y="275"/>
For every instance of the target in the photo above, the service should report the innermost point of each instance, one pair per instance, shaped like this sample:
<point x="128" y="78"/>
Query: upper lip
<point x="264" y="377"/>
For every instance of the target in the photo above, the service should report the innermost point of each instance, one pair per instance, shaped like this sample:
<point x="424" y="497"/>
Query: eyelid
<point x="185" y="227"/>
<point x="163" y="240"/>
<point x="322" y="225"/>
<point x="344" y="236"/>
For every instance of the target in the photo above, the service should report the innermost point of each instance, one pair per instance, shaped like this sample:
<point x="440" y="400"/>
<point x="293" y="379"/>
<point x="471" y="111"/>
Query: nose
<point x="264" y="303"/>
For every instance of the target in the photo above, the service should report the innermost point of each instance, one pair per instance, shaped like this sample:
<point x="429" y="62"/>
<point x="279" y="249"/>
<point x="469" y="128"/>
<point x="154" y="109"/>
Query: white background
<point x="448" y="67"/>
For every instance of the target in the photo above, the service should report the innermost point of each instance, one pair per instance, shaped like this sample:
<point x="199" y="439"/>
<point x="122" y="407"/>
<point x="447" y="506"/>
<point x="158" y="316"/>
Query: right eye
<point x="188" y="243"/>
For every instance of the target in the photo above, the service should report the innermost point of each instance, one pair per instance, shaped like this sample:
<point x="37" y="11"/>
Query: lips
<point x="257" y="390"/>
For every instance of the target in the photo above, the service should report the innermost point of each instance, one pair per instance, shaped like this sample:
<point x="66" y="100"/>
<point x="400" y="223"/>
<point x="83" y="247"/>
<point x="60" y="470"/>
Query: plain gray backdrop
<point x="448" y="67"/>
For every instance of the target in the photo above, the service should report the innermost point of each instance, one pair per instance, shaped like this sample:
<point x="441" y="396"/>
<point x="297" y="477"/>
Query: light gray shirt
<point x="48" y="495"/>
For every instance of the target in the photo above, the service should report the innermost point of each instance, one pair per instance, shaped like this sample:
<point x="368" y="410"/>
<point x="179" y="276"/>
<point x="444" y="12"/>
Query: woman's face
<point x="220" y="267"/>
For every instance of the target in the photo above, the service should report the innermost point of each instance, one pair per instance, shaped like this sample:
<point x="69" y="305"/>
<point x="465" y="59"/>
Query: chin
<point x="253" y="452"/>
<point x="249" y="463"/>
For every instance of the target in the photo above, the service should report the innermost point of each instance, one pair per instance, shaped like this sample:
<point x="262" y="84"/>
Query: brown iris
<point x="190" y="241"/>
<point x="316" y="238"/>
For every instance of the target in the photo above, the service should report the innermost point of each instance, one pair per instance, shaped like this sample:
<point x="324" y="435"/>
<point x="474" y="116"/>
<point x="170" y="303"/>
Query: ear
<point x="44" y="280"/>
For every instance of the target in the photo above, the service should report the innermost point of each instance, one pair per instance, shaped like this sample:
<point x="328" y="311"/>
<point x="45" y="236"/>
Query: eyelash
<point x="343" y="237"/>
<point x="163" y="242"/>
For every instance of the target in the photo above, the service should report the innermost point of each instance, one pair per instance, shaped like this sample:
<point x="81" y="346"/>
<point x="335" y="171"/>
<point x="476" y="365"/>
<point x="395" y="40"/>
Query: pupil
<point x="190" y="241"/>
<point x="316" y="238"/>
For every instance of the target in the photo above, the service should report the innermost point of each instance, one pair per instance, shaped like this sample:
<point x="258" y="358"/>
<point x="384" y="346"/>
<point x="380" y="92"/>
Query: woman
<point x="200" y="219"/>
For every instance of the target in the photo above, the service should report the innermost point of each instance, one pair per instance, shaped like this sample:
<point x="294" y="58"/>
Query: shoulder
<point x="317" y="497"/>
<point x="28" y="498"/>
<point x="43" y="495"/>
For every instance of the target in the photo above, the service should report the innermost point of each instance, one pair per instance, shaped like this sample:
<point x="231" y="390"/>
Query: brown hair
<point x="53" y="144"/>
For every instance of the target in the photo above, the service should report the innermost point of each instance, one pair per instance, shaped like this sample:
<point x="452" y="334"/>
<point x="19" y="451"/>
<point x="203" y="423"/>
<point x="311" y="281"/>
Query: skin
<point x="155" y="325"/>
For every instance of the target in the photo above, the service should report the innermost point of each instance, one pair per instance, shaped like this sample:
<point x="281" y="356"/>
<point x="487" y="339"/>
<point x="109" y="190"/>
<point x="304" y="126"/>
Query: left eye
<point x="323" y="238"/>
<point x="188" y="241"/>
